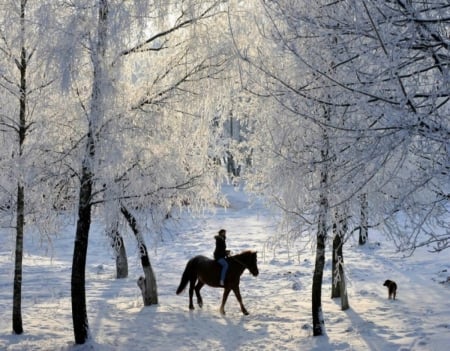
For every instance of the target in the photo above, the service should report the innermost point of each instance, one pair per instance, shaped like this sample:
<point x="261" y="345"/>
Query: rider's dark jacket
<point x="221" y="248"/>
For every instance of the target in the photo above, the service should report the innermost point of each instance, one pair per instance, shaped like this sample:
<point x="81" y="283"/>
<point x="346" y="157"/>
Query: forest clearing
<point x="279" y="299"/>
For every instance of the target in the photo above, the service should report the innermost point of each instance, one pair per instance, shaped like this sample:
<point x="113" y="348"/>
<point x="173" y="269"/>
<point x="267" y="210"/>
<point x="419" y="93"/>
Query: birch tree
<point x="372" y="66"/>
<point x="140" y="146"/>
<point x="413" y="43"/>
<point x="301" y="156"/>
<point x="338" y="282"/>
<point x="396" y="67"/>
<point x="23" y="83"/>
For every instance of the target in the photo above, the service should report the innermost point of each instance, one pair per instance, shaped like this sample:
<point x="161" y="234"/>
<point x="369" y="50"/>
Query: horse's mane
<point x="245" y="253"/>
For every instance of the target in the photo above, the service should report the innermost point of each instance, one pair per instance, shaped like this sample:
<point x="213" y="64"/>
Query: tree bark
<point x="20" y="220"/>
<point x="317" y="314"/>
<point x="343" y="289"/>
<point x="17" y="294"/>
<point x="339" y="287"/>
<point x="335" y="270"/>
<point x="364" y="225"/>
<point x="97" y="110"/>
<point x="338" y="258"/>
<point x="120" y="252"/>
<point x="323" y="205"/>
<point x="78" y="292"/>
<point x="147" y="284"/>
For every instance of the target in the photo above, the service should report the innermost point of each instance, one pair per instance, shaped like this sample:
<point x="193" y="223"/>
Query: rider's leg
<point x="223" y="262"/>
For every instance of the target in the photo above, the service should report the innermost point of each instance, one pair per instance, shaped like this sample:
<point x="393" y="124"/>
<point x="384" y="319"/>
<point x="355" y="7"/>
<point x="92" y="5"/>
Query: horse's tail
<point x="187" y="274"/>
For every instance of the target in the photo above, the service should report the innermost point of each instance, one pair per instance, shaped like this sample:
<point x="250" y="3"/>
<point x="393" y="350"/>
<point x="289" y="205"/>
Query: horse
<point x="203" y="270"/>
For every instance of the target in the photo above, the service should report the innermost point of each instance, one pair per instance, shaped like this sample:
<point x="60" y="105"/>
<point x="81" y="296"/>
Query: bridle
<point x="246" y="266"/>
<point x="239" y="261"/>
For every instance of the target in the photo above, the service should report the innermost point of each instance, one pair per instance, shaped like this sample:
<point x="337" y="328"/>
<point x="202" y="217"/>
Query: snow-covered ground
<point x="279" y="299"/>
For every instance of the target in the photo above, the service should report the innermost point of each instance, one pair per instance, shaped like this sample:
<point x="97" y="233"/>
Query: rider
<point x="220" y="253"/>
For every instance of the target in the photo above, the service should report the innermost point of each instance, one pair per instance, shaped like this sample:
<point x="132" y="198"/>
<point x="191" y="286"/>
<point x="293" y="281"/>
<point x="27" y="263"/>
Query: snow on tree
<point x="394" y="59"/>
<point x="299" y="149"/>
<point x="27" y="174"/>
<point x="368" y="67"/>
<point x="141" y="72"/>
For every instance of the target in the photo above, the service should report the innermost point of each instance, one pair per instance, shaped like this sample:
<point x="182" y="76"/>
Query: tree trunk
<point x="119" y="250"/>
<point x="97" y="110"/>
<point x="364" y="225"/>
<point x="335" y="270"/>
<point x="338" y="258"/>
<point x="17" y="294"/>
<point x="121" y="258"/>
<point x="343" y="289"/>
<point x="147" y="284"/>
<point x="78" y="293"/>
<point x="338" y="288"/>
<point x="317" y="314"/>
<point x="20" y="219"/>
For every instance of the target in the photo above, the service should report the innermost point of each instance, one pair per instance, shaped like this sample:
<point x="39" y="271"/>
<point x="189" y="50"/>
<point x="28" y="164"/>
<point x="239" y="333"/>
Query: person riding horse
<point x="220" y="253"/>
<point x="201" y="270"/>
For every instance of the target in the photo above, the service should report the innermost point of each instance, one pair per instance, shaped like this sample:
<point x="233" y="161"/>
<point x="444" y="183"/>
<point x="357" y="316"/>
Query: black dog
<point x="392" y="288"/>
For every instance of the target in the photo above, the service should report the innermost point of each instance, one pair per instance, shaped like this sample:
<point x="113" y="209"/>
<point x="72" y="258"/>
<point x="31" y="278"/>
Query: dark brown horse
<point x="203" y="270"/>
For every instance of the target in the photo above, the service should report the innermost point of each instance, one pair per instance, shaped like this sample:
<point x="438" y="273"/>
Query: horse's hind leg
<point x="191" y="293"/>
<point x="226" y="292"/>
<point x="237" y="292"/>
<point x="197" y="293"/>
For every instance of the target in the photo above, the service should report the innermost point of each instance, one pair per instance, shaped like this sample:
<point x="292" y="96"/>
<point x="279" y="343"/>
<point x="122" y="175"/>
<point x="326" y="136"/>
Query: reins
<point x="240" y="262"/>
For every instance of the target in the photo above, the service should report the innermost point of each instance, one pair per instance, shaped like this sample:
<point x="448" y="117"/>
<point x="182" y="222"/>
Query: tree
<point x="317" y="313"/>
<point x="131" y="152"/>
<point x="301" y="156"/>
<point x="393" y="60"/>
<point x="118" y="246"/>
<point x="370" y="65"/>
<point x="147" y="284"/>
<point x="421" y="72"/>
<point x="20" y="222"/>
<point x="338" y="285"/>
<point x="96" y="113"/>
<point x="363" y="223"/>
<point x="23" y="83"/>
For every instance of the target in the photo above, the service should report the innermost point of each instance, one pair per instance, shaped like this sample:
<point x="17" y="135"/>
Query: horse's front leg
<point x="237" y="292"/>
<point x="226" y="292"/>
<point x="197" y="293"/>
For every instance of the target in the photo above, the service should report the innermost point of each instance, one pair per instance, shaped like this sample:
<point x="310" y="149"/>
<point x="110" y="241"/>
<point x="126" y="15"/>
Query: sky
<point x="279" y="299"/>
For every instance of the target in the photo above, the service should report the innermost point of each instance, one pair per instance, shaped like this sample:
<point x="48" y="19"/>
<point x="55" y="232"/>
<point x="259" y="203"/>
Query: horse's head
<point x="252" y="262"/>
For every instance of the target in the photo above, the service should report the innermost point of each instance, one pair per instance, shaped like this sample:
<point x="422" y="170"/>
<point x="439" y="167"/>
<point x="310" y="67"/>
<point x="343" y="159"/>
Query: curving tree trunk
<point x="147" y="284"/>
<point x="338" y="286"/>
<point x="118" y="245"/>
<point x="78" y="288"/>
<point x="97" y="110"/>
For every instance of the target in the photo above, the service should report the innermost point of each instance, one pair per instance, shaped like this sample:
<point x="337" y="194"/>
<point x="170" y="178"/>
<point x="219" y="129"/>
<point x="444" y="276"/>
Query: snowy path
<point x="278" y="299"/>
